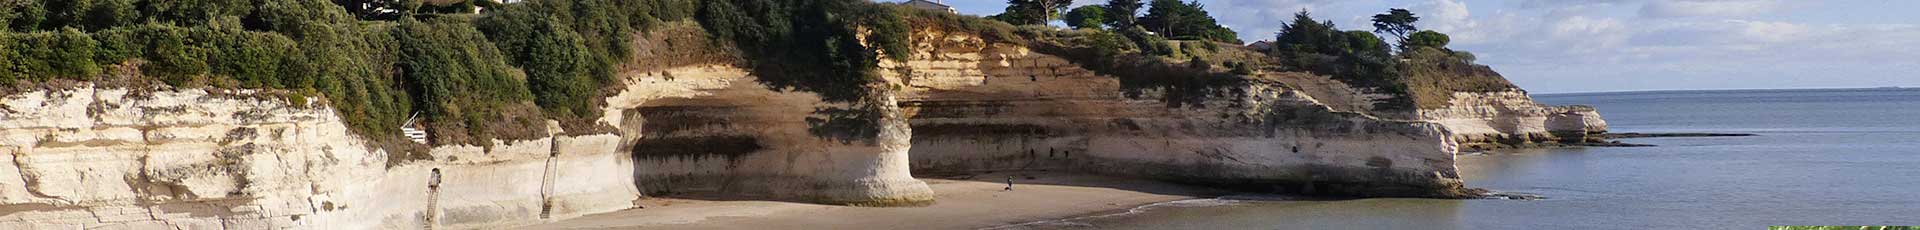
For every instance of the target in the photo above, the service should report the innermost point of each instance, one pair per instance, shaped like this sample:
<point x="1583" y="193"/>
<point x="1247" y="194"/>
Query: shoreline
<point x="974" y="203"/>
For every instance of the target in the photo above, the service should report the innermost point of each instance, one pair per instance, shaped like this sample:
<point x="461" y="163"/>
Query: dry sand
<point x="962" y="203"/>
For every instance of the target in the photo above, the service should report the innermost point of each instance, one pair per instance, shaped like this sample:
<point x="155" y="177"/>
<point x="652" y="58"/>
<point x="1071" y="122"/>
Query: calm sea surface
<point x="1824" y="157"/>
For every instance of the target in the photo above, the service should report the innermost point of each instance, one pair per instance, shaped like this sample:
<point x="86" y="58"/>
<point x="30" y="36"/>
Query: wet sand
<point x="962" y="203"/>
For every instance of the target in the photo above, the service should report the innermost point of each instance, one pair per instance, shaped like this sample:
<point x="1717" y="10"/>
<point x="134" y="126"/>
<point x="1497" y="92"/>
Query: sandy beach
<point x="968" y="202"/>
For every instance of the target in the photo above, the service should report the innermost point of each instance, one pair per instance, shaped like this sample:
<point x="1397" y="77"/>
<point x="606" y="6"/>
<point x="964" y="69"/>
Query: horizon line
<point x="1733" y="89"/>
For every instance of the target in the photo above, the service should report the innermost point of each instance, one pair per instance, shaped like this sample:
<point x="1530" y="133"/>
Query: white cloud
<point x="1583" y="34"/>
<point x="1538" y="4"/>
<point x="1259" y="19"/>
<point x="1445" y="15"/>
<point x="1566" y="45"/>
<point x="1772" y="32"/>
<point x="1715" y="8"/>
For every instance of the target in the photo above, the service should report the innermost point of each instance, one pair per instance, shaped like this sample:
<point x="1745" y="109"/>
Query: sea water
<point x="1822" y="157"/>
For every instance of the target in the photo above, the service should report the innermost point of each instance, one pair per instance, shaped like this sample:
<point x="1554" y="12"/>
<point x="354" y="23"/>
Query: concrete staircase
<point x="417" y="135"/>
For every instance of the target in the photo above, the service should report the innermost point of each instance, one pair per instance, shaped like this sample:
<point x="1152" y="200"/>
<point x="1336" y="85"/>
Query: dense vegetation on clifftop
<point x="1423" y="74"/>
<point x="1118" y="39"/>
<point x="475" y="70"/>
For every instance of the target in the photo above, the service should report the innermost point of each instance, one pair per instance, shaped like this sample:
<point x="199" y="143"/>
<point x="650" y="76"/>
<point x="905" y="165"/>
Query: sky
<point x="1565" y="46"/>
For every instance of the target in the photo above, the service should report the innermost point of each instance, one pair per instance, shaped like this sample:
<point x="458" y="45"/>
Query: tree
<point x="1147" y="42"/>
<point x="1428" y="38"/>
<point x="1164" y="15"/>
<point x="1355" y="57"/>
<point x="1185" y="20"/>
<point x="1397" y="23"/>
<point x="1305" y="35"/>
<point x="1198" y="63"/>
<point x="111" y="13"/>
<point x="1109" y="44"/>
<point x="1086" y="17"/>
<point x="1123" y="13"/>
<point x="1361" y="42"/>
<point x="1033" y="12"/>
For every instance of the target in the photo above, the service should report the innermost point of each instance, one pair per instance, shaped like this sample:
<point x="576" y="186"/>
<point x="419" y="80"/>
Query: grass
<point x="1844" y="228"/>
<point x="1433" y="76"/>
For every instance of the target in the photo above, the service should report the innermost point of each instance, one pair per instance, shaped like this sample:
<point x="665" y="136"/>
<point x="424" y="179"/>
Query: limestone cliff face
<point x="981" y="107"/>
<point x="87" y="157"/>
<point x="713" y="128"/>
<point x="124" y="159"/>
<point x="1478" y="120"/>
<point x="117" y="158"/>
<point x="1513" y="119"/>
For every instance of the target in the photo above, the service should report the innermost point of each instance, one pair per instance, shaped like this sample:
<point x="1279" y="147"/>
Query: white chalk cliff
<point x="117" y="158"/>
<point x="1512" y="119"/>
<point x="977" y="106"/>
<point x="1478" y="120"/>
<point x="712" y="128"/>
<point x="105" y="158"/>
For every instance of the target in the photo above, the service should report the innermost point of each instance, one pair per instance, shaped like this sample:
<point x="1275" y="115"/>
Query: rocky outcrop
<point x="976" y="106"/>
<point x="86" y="157"/>
<point x="713" y="128"/>
<point x="1512" y="119"/>
<point x="189" y="159"/>
<point x="1478" y="120"/>
<point x="142" y="159"/>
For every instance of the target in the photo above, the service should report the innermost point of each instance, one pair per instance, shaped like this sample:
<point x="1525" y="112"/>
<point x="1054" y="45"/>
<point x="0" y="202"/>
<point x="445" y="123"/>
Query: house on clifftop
<point x="940" y="5"/>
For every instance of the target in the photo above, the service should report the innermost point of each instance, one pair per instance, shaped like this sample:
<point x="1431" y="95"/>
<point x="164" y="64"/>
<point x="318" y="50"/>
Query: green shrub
<point x="989" y="30"/>
<point x="1200" y="64"/>
<point x="289" y="16"/>
<point x="1110" y="45"/>
<point x="67" y="54"/>
<point x="1185" y="21"/>
<point x="554" y="57"/>
<point x="1357" y="58"/>
<point x="472" y="76"/>
<point x="23" y="15"/>
<point x="117" y="45"/>
<point x="1241" y="68"/>
<point x="815" y="46"/>
<point x="7" y="76"/>
<point x="195" y="12"/>
<point x="1088" y="17"/>
<point x="111" y="13"/>
<point x="1179" y="84"/>
<point x="1434" y="74"/>
<point x="1428" y="38"/>
<point x="253" y="58"/>
<point x="352" y="65"/>
<point x="672" y="10"/>
<point x="172" y="55"/>
<point x="454" y="70"/>
<point x="1148" y="43"/>
<point x="808" y="45"/>
<point x="570" y="49"/>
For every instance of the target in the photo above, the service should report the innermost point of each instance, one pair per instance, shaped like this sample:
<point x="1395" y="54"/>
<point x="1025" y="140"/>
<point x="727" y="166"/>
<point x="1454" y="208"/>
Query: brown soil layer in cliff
<point x="963" y="202"/>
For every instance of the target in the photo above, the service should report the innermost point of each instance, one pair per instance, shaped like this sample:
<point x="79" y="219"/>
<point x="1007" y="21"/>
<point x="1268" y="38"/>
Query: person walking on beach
<point x="1009" y="184"/>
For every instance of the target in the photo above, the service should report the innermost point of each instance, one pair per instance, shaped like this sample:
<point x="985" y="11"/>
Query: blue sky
<point x="1560" y="46"/>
